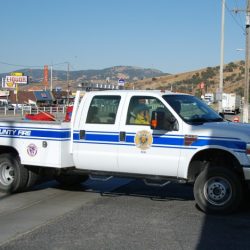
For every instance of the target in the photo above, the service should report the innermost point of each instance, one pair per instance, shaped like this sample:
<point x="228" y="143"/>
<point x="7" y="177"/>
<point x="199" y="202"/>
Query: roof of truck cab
<point x="141" y="92"/>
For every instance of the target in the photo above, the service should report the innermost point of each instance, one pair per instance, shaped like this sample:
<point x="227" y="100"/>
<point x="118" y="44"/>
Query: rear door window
<point x="103" y="110"/>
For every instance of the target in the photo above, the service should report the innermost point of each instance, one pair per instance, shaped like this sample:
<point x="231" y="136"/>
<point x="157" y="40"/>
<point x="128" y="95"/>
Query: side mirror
<point x="221" y="115"/>
<point x="160" y="121"/>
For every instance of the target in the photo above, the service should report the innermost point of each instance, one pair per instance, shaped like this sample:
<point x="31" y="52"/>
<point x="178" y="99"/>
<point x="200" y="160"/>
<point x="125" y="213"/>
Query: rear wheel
<point x="33" y="177"/>
<point x="218" y="190"/>
<point x="13" y="175"/>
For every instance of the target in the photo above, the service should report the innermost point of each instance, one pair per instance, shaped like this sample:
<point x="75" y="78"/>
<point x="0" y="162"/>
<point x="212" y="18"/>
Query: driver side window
<point x="141" y="108"/>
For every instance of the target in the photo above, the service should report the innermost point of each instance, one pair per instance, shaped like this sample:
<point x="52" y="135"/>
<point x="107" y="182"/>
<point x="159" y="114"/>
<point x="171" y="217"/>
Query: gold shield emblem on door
<point x="143" y="139"/>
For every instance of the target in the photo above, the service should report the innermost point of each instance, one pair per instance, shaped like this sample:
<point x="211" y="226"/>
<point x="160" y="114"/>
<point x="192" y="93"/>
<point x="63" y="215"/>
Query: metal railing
<point x="21" y="112"/>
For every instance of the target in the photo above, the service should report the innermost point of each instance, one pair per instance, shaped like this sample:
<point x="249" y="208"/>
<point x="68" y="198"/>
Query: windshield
<point x="191" y="109"/>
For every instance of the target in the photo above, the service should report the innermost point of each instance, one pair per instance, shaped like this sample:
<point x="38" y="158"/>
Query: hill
<point x="188" y="82"/>
<point x="111" y="75"/>
<point x="142" y="78"/>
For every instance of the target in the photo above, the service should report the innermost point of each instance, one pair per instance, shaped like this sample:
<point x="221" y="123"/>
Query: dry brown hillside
<point x="188" y="82"/>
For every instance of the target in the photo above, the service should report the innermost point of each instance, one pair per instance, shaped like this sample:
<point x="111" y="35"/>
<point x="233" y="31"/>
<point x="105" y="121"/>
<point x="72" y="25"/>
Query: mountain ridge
<point x="111" y="75"/>
<point x="145" y="78"/>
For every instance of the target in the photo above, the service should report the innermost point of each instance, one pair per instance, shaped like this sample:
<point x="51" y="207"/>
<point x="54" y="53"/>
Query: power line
<point x="236" y="10"/>
<point x="31" y="66"/>
<point x="18" y="65"/>
<point x="237" y="7"/>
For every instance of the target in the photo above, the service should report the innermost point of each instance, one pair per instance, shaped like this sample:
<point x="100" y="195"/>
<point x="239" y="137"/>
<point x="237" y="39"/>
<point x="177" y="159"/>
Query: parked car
<point x="10" y="107"/>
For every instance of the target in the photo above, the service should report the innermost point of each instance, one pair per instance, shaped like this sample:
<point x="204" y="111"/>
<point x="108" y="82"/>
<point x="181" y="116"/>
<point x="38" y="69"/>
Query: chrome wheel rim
<point x="218" y="191"/>
<point x="7" y="174"/>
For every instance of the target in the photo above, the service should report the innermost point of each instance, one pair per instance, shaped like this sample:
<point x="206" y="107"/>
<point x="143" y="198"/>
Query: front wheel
<point x="218" y="190"/>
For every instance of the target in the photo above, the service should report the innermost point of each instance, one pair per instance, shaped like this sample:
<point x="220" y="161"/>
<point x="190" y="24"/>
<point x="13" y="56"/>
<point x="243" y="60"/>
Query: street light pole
<point x="221" y="55"/>
<point x="246" y="87"/>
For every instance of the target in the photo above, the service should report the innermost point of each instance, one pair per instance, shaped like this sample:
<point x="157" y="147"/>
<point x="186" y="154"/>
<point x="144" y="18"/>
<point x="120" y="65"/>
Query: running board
<point x="155" y="183"/>
<point x="100" y="177"/>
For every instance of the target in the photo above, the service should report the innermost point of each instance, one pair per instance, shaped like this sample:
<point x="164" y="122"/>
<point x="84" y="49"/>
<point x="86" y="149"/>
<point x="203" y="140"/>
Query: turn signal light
<point x="154" y="123"/>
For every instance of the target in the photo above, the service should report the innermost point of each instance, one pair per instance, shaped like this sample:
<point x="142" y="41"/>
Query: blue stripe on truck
<point x="173" y="141"/>
<point x="34" y="133"/>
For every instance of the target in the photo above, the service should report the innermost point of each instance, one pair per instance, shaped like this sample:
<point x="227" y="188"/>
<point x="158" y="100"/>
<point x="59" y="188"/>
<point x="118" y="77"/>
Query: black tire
<point x="71" y="180"/>
<point x="218" y="190"/>
<point x="13" y="175"/>
<point x="32" y="179"/>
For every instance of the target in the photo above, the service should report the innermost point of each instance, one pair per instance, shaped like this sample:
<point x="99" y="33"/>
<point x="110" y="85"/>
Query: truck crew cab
<point x="154" y="135"/>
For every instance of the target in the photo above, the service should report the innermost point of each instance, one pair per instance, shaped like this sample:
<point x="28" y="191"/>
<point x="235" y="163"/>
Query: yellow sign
<point x="143" y="139"/>
<point x="10" y="85"/>
<point x="17" y="74"/>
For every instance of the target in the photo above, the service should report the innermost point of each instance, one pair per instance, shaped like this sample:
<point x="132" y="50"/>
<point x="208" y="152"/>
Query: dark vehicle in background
<point x="10" y="107"/>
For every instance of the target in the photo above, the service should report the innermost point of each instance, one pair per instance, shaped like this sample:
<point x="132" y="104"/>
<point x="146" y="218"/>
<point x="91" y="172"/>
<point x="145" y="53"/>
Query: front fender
<point x="189" y="153"/>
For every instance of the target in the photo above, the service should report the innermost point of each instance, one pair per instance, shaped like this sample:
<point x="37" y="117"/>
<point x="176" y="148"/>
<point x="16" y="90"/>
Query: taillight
<point x="154" y="123"/>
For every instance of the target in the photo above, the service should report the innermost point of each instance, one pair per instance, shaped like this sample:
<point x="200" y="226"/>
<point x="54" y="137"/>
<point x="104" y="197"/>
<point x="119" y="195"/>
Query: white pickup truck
<point x="154" y="135"/>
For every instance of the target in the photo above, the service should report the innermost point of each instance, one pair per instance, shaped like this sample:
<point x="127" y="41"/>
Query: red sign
<point x="236" y="119"/>
<point x="202" y="85"/>
<point x="46" y="75"/>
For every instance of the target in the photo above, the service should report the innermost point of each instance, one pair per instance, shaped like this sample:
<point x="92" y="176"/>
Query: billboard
<point x="17" y="79"/>
<point x="10" y="82"/>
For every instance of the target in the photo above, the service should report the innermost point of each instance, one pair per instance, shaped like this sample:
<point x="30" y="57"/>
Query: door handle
<point x="122" y="136"/>
<point x="82" y="134"/>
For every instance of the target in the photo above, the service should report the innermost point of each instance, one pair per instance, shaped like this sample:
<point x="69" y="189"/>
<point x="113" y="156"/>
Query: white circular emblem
<point x="32" y="149"/>
<point x="143" y="139"/>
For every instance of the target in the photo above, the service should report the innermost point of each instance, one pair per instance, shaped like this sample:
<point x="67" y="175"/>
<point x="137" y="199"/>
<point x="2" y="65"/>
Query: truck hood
<point x="223" y="129"/>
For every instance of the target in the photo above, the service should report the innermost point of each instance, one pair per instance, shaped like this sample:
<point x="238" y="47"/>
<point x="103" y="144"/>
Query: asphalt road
<point x="118" y="214"/>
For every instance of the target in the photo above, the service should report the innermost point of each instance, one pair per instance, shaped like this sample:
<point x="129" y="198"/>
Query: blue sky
<point x="170" y="35"/>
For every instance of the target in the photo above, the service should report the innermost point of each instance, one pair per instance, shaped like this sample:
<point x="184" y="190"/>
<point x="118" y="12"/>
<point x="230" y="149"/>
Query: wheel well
<point x="213" y="158"/>
<point x="9" y="150"/>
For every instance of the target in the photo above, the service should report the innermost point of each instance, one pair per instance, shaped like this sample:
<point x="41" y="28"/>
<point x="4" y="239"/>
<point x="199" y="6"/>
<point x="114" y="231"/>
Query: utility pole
<point x="51" y="77"/>
<point x="246" y="87"/>
<point x="221" y="55"/>
<point x="68" y="76"/>
<point x="68" y="86"/>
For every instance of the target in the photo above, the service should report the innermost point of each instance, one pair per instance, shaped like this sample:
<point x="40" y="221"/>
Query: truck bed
<point x="38" y="143"/>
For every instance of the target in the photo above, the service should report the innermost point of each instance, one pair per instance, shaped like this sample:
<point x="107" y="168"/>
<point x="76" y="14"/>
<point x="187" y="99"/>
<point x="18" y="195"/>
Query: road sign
<point x="201" y="85"/>
<point x="121" y="82"/>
